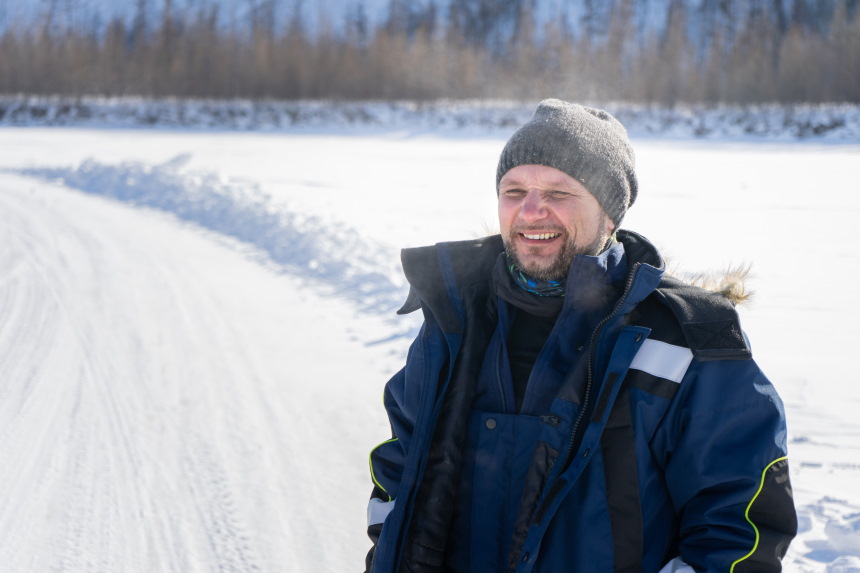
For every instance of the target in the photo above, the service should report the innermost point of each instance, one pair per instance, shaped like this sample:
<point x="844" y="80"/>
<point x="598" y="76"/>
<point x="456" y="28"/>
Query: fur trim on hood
<point x="730" y="282"/>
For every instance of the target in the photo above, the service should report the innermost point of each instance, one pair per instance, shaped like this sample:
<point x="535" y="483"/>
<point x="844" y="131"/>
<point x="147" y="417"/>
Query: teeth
<point x="542" y="236"/>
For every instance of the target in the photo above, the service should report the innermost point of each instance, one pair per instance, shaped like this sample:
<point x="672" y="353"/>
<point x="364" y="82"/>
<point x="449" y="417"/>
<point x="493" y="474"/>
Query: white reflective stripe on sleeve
<point x="676" y="566"/>
<point x="378" y="510"/>
<point x="663" y="360"/>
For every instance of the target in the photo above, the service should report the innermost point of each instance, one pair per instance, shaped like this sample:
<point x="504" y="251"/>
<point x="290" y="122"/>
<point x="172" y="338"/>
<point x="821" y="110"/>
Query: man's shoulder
<point x="431" y="270"/>
<point x="705" y="320"/>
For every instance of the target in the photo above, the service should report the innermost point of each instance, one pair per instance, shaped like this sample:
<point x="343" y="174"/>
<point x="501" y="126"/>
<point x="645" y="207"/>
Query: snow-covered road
<point x="157" y="398"/>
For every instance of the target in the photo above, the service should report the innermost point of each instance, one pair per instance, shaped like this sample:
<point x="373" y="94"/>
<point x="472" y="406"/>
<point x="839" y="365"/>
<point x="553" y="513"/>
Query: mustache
<point x="544" y="228"/>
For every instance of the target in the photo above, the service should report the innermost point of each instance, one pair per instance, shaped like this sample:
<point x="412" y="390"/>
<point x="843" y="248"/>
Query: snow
<point x="832" y="122"/>
<point x="198" y="323"/>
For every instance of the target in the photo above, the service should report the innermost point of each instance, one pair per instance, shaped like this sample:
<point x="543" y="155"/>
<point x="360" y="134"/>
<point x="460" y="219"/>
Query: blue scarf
<point x="539" y="287"/>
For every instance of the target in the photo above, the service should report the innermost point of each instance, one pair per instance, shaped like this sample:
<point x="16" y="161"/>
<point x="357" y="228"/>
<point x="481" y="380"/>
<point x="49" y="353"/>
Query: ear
<point x="610" y="224"/>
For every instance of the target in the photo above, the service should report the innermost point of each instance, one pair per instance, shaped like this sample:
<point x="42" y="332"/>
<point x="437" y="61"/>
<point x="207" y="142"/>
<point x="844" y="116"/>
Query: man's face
<point x="546" y="218"/>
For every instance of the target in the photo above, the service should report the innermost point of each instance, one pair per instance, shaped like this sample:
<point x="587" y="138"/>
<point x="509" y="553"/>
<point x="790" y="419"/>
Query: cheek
<point x="581" y="230"/>
<point x="588" y="223"/>
<point x="506" y="215"/>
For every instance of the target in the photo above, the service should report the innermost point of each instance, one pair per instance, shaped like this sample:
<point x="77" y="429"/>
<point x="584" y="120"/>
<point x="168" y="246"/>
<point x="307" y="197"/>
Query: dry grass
<point x="192" y="56"/>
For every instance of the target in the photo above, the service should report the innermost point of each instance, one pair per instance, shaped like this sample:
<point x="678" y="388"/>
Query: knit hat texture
<point x="588" y="144"/>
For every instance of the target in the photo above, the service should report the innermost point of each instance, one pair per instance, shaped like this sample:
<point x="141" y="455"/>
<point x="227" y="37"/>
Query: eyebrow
<point x="559" y="185"/>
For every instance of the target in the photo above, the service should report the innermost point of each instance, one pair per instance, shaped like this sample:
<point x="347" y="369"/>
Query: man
<point x="567" y="406"/>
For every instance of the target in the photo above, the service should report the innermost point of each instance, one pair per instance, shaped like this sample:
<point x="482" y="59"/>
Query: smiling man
<point x="546" y="218"/>
<point x="567" y="406"/>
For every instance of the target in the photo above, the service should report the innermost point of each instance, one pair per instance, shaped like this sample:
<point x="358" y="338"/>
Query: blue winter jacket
<point x="664" y="446"/>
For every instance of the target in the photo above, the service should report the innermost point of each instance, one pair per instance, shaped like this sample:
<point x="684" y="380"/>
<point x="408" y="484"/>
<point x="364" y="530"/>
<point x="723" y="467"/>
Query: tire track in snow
<point x="86" y="506"/>
<point x="38" y="414"/>
<point x="91" y="412"/>
<point x="214" y="499"/>
<point x="157" y="411"/>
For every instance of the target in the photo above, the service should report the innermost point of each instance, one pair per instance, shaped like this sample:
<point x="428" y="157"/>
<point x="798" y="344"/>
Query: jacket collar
<point x="437" y="274"/>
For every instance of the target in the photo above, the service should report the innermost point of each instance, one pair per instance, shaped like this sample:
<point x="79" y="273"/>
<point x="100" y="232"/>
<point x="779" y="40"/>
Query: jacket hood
<point x="640" y="250"/>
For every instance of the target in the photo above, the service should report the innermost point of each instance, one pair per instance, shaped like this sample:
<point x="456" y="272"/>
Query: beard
<point x="558" y="267"/>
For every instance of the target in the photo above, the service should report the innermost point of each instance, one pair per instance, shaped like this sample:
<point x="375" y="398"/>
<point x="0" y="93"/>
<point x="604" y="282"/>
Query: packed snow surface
<point x="197" y="326"/>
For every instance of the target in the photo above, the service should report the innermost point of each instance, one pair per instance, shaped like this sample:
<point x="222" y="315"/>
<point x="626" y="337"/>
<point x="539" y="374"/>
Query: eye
<point x="559" y="194"/>
<point x="513" y="193"/>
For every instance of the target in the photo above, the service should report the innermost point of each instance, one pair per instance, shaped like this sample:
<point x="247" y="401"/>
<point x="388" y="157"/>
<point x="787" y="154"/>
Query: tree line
<point x="196" y="56"/>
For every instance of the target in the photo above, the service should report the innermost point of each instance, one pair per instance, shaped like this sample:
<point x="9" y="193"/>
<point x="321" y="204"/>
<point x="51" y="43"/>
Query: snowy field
<point x="196" y="326"/>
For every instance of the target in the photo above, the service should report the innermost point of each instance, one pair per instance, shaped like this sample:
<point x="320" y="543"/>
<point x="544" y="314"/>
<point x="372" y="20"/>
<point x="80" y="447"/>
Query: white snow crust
<point x="196" y="325"/>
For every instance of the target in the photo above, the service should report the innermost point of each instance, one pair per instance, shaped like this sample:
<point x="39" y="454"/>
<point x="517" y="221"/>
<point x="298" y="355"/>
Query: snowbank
<point x="336" y="255"/>
<point x="833" y="122"/>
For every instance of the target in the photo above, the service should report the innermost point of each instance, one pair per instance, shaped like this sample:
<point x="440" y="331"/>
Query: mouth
<point x="540" y="236"/>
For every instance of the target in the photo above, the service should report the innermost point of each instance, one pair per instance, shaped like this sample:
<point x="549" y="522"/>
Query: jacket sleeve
<point x="401" y="400"/>
<point x="386" y="467"/>
<point x="727" y="470"/>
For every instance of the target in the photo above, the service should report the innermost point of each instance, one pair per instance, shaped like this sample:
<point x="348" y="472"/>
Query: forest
<point x="486" y="49"/>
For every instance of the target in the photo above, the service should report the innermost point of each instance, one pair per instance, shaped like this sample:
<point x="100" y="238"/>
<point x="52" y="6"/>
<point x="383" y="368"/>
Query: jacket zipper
<point x="574" y="437"/>
<point x="501" y="385"/>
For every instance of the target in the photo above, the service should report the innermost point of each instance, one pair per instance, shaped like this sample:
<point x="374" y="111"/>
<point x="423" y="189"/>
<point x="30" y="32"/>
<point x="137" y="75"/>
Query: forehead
<point x="540" y="177"/>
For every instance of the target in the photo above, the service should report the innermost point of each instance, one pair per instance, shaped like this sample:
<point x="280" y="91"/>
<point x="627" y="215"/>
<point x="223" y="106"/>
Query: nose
<point x="533" y="207"/>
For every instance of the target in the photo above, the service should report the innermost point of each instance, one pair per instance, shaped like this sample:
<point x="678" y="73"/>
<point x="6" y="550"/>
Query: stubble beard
<point x="559" y="266"/>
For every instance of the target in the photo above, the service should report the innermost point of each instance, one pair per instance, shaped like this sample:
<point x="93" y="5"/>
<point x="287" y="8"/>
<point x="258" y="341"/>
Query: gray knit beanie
<point x="588" y="144"/>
